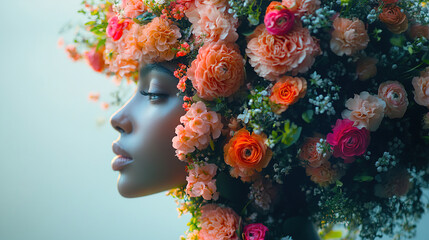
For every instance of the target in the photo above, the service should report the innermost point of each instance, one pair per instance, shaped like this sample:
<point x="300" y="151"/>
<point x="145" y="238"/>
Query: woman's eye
<point x="154" y="97"/>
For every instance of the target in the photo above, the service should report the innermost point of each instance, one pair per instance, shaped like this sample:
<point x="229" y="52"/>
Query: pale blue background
<point x="56" y="182"/>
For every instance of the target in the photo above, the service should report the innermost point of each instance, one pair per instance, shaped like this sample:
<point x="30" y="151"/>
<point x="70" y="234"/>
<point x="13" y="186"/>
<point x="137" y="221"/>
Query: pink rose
<point x="254" y="231"/>
<point x="395" y="182"/>
<point x="279" y="22"/>
<point x="395" y="96"/>
<point x="421" y="88"/>
<point x="348" y="141"/>
<point x="115" y="28"/>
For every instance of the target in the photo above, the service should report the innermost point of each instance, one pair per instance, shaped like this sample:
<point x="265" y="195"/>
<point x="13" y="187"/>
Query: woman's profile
<point x="269" y="119"/>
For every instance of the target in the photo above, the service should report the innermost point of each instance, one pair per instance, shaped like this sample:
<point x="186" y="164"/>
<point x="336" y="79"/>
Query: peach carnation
<point x="302" y="7"/>
<point x="157" y="40"/>
<point x="199" y="127"/>
<point x="322" y="175"/>
<point x="396" y="182"/>
<point x="201" y="183"/>
<point x="417" y="31"/>
<point x="365" y="110"/>
<point x="286" y="92"/>
<point x="395" y="96"/>
<point x="247" y="154"/>
<point x="218" y="223"/>
<point x="213" y="24"/>
<point x="133" y="8"/>
<point x="273" y="55"/>
<point x="348" y="37"/>
<point x="312" y="152"/>
<point x="218" y="70"/>
<point x="366" y="68"/>
<point x="421" y="88"/>
<point x="395" y="19"/>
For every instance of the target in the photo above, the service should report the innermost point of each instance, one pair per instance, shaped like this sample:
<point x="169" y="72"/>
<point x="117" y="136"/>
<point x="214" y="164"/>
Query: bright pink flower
<point x="255" y="231"/>
<point x="348" y="141"/>
<point x="279" y="22"/>
<point x="115" y="28"/>
<point x="95" y="59"/>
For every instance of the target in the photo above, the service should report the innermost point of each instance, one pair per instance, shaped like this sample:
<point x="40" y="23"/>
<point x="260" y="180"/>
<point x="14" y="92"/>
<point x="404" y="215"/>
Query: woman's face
<point x="146" y="159"/>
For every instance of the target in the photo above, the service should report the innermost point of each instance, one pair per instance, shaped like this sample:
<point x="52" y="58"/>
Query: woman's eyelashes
<point x="154" y="97"/>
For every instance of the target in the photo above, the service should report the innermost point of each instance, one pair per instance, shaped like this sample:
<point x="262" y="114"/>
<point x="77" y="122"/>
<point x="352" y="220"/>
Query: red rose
<point x="95" y="59"/>
<point x="348" y="141"/>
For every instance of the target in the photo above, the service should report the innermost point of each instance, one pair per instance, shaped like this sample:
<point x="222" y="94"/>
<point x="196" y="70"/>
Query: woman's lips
<point x="122" y="159"/>
<point x="120" y="162"/>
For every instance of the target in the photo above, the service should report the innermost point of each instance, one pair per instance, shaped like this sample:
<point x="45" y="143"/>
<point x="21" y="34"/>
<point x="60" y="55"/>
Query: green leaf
<point x="339" y="183"/>
<point x="363" y="178"/>
<point x="307" y="116"/>
<point x="333" y="235"/>
<point x="397" y="41"/>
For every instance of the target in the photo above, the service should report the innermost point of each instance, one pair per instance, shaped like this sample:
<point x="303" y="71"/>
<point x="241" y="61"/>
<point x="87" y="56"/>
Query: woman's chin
<point x="131" y="188"/>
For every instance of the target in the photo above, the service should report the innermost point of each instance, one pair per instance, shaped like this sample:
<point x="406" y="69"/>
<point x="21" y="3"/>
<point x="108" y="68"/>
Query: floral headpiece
<point x="313" y="101"/>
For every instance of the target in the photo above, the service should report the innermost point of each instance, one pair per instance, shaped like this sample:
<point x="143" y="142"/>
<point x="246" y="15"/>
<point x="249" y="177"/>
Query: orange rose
<point x="286" y="92"/>
<point x="395" y="20"/>
<point x="246" y="153"/>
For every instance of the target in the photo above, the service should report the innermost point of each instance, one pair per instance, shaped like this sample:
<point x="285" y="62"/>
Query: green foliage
<point x="287" y="135"/>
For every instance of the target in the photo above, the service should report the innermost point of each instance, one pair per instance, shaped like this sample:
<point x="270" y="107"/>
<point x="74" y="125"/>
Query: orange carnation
<point x="395" y="20"/>
<point x="218" y="70"/>
<point x="158" y="39"/>
<point x="246" y="153"/>
<point x="286" y="92"/>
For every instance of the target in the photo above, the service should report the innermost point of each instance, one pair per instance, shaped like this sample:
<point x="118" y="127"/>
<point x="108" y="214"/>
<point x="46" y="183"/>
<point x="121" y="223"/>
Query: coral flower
<point x="348" y="141"/>
<point x="366" y="68"/>
<point x="395" y="96"/>
<point x="421" y="88"/>
<point x="417" y="31"/>
<point x="218" y="70"/>
<point x="286" y="92"/>
<point x="201" y="183"/>
<point x="218" y="223"/>
<point x="365" y="110"/>
<point x="133" y="8"/>
<point x="312" y="154"/>
<point x="395" y="182"/>
<point x="157" y="40"/>
<point x="395" y="19"/>
<point x="272" y="55"/>
<point x="348" y="37"/>
<point x="302" y="7"/>
<point x="322" y="175"/>
<point x="213" y="24"/>
<point x="246" y="153"/>
<point x="95" y="59"/>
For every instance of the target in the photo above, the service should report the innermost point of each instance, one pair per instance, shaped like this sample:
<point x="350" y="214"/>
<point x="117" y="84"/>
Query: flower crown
<point x="321" y="101"/>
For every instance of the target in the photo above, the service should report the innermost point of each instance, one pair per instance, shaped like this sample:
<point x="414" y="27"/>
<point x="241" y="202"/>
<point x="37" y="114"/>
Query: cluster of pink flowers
<point x="200" y="181"/>
<point x="199" y="127"/>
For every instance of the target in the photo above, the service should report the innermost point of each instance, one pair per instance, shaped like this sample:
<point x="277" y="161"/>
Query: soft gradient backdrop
<point x="56" y="181"/>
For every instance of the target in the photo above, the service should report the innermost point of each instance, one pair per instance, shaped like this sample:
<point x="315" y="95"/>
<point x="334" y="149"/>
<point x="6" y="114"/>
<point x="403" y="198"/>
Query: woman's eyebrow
<point x="154" y="67"/>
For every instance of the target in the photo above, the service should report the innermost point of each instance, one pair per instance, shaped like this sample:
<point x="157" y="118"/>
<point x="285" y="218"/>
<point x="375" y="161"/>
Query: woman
<point x="274" y="127"/>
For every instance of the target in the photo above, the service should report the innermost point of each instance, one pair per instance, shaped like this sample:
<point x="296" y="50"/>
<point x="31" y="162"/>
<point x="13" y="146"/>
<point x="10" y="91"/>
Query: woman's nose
<point x="120" y="121"/>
